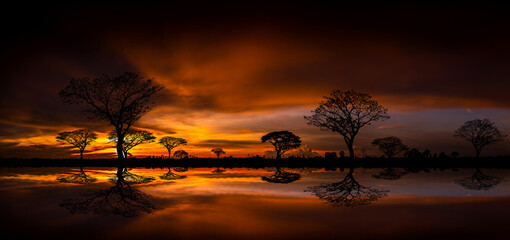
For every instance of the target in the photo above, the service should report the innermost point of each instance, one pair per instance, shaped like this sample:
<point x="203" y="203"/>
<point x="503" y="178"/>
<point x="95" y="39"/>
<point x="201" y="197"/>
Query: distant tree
<point x="455" y="154"/>
<point x="171" y="142"/>
<point x="413" y="153"/>
<point x="132" y="138"/>
<point x="390" y="146"/>
<point x="79" y="138"/>
<point x="218" y="152"/>
<point x="330" y="155"/>
<point x="346" y="112"/>
<point x="282" y="141"/>
<point x="443" y="155"/>
<point x="180" y="154"/>
<point x="426" y="153"/>
<point x="480" y="133"/>
<point x="120" y="100"/>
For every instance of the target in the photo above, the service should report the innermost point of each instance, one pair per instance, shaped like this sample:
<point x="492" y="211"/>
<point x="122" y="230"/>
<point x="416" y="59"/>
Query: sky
<point x="234" y="72"/>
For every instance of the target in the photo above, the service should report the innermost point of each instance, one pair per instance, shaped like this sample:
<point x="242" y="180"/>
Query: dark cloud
<point x="212" y="143"/>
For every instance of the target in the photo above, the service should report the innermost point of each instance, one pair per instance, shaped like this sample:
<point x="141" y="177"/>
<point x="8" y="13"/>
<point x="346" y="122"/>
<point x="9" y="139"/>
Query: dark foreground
<point x="249" y="203"/>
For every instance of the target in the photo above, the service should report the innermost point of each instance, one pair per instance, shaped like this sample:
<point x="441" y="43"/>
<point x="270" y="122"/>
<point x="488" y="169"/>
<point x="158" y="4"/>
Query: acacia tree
<point x="346" y="112"/>
<point x="171" y="142"/>
<point x="79" y="138"/>
<point x="181" y="154"/>
<point x="282" y="141"/>
<point x="390" y="146"/>
<point x="218" y="151"/>
<point x="480" y="133"/>
<point x="132" y="138"/>
<point x="119" y="100"/>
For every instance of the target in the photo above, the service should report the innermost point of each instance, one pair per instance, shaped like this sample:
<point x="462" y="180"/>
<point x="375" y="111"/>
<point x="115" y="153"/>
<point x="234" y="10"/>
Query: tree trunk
<point x="278" y="155"/>
<point x="120" y="150"/>
<point x="81" y="154"/>
<point x="478" y="153"/>
<point x="169" y="154"/>
<point x="351" y="150"/>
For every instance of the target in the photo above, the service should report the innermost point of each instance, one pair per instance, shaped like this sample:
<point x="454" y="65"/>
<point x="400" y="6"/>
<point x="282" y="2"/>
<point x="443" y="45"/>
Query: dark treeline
<point x="259" y="162"/>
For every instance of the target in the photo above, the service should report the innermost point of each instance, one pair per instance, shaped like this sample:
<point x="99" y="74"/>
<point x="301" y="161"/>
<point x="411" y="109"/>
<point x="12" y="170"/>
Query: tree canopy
<point x="171" y="142"/>
<point x="119" y="100"/>
<point x="79" y="138"/>
<point x="282" y="141"/>
<point x="390" y="146"/>
<point x="218" y="151"/>
<point x="346" y="112"/>
<point x="480" y="133"/>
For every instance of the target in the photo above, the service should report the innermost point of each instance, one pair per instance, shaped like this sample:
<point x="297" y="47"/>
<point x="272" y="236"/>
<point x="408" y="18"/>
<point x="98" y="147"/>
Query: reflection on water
<point x="171" y="176"/>
<point x="242" y="204"/>
<point x="80" y="177"/>
<point x="479" y="181"/>
<point x="348" y="192"/>
<point x="281" y="176"/>
<point x="121" y="199"/>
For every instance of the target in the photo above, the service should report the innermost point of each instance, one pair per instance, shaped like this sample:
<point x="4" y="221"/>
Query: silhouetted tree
<point x="171" y="142"/>
<point x="390" y="146"/>
<point x="347" y="193"/>
<point x="282" y="141"/>
<point x="281" y="176"/>
<point x="455" y="154"/>
<point x="120" y="100"/>
<point x="120" y="199"/>
<point x="346" y="112"/>
<point x="79" y="138"/>
<point x="426" y="153"/>
<point x="132" y="138"/>
<point x="413" y="153"/>
<point x="390" y="174"/>
<point x="480" y="133"/>
<point x="180" y="154"/>
<point x="218" y="152"/>
<point x="479" y="181"/>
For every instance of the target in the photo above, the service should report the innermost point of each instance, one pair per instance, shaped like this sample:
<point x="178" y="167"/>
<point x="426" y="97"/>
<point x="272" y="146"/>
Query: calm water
<point x="239" y="203"/>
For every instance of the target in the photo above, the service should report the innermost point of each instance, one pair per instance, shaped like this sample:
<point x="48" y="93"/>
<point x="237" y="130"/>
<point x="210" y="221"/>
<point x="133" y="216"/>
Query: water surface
<point x="241" y="203"/>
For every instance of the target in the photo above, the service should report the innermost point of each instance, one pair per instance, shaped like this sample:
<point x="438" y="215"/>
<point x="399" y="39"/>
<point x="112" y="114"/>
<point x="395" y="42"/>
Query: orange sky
<point x="230" y="76"/>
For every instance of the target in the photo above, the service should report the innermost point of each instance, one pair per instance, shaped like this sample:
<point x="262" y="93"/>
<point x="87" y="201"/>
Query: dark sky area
<point x="233" y="72"/>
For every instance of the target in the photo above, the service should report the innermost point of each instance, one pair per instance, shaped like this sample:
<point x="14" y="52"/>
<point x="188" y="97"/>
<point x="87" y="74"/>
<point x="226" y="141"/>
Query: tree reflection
<point x="131" y="178"/>
<point x="181" y="169"/>
<point x="390" y="174"/>
<point x="347" y="193"/>
<point x="479" y="181"/>
<point x="171" y="176"/>
<point x="218" y="170"/>
<point x="281" y="176"/>
<point x="81" y="178"/>
<point x="121" y="199"/>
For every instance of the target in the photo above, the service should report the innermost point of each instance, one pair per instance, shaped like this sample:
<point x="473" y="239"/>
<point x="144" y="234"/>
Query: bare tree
<point x="390" y="146"/>
<point x="218" y="151"/>
<point x="347" y="193"/>
<point x="132" y="138"/>
<point x="120" y="100"/>
<point x="346" y="112"/>
<point x="480" y="133"/>
<point x="171" y="142"/>
<point x="79" y="138"/>
<point x="282" y="141"/>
